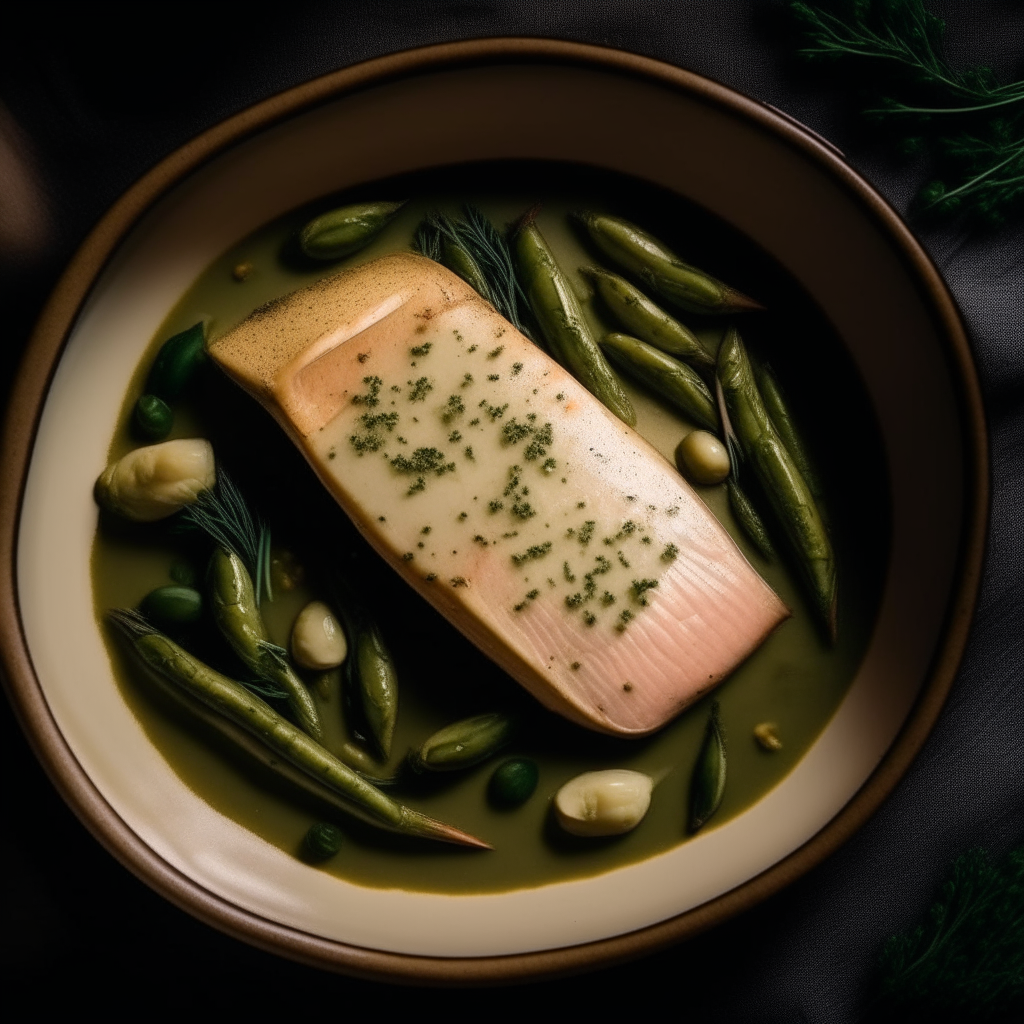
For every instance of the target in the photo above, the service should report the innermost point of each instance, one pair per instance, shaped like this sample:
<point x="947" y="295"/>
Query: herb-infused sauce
<point x="794" y="680"/>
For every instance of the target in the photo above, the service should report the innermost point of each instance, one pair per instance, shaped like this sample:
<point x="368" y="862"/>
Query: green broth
<point x="795" y="680"/>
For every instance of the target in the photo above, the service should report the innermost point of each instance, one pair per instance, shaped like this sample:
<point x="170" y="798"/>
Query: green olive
<point x="702" y="458"/>
<point x="153" y="418"/>
<point x="172" y="605"/>
<point x="323" y="840"/>
<point x="513" y="782"/>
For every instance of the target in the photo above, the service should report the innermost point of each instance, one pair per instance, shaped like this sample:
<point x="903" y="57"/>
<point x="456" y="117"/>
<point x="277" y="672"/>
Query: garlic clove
<point x="318" y="642"/>
<point x="604" y="803"/>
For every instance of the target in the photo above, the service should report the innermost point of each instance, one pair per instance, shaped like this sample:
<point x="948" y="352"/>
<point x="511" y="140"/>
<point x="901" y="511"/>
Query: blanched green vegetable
<point x="562" y="323"/>
<point x="643" y="256"/>
<point x="780" y="478"/>
<point x="172" y="605"/>
<point x="152" y="418"/>
<point x="176" y="363"/>
<point x="648" y="322"/>
<point x="707" y="785"/>
<point x="238" y="708"/>
<point x="668" y="377"/>
<point x="341" y="232"/>
<point x="463" y="744"/>
<point x="750" y="522"/>
<point x="234" y="610"/>
<point x="155" y="482"/>
<point x="778" y="408"/>
<point x="377" y="686"/>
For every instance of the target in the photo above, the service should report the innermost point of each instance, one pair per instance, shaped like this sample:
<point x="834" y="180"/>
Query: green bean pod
<point x="377" y="684"/>
<point x="458" y="259"/>
<point x="778" y="409"/>
<point x="561" y="321"/>
<point x="234" y="609"/>
<point x="648" y="322"/>
<point x="750" y="522"/>
<point x="643" y="256"/>
<point x="257" y="728"/>
<point x="668" y="377"/>
<point x="339" y="233"/>
<point x="707" y="784"/>
<point x="180" y="356"/>
<point x="463" y="744"/>
<point x="780" y="478"/>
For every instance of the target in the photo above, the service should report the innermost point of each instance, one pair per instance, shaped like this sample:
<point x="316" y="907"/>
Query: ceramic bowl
<point x="786" y="190"/>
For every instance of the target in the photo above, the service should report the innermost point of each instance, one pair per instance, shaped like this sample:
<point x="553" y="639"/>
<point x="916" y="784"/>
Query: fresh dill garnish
<point x="223" y="515"/>
<point x="475" y="250"/>
<point x="965" y="961"/>
<point x="372" y="396"/>
<point x="421" y="350"/>
<point x="531" y="553"/>
<point x="971" y="126"/>
<point x="420" y="389"/>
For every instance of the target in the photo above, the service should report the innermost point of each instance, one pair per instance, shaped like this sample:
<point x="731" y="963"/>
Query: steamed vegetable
<point x="155" y="482"/>
<point x="339" y="233"/>
<point x="646" y="321"/>
<point x="232" y="701"/>
<point x="463" y="744"/>
<point x="603" y="803"/>
<point x="665" y="376"/>
<point x="780" y="478"/>
<point x="707" y="784"/>
<point x="643" y="256"/>
<point x="234" y="610"/>
<point x="562" y="323"/>
<point x="176" y="363"/>
<point x="377" y="684"/>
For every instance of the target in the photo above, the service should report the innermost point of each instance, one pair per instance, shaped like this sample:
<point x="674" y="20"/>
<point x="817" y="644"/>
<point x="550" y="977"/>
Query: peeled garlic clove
<point x="155" y="482"/>
<point x="604" y="803"/>
<point x="318" y="642"/>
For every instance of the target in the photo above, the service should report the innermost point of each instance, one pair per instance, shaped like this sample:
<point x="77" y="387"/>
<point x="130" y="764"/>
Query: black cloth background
<point x="100" y="94"/>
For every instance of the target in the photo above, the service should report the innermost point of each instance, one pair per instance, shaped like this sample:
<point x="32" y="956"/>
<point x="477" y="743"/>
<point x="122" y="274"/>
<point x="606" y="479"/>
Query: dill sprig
<point x="475" y="250"/>
<point x="223" y="515"/>
<point x="965" y="961"/>
<point x="971" y="125"/>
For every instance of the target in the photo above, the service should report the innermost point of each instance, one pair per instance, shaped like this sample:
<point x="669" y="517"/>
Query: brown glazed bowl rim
<point x="44" y="351"/>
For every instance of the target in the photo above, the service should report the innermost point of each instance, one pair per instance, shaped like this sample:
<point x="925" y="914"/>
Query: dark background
<point x="93" y="96"/>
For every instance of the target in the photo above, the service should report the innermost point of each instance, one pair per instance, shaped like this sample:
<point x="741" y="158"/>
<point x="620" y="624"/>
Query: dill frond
<point x="224" y="516"/>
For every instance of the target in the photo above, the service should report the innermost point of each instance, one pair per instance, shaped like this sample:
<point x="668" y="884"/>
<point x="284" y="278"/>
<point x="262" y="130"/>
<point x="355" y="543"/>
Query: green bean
<point x="707" y="784"/>
<point x="778" y="409"/>
<point x="562" y="324"/>
<point x="177" y="361"/>
<point x="780" y="478"/>
<point x="339" y="233"/>
<point x="232" y="709"/>
<point x="750" y="522"/>
<point x="233" y="604"/>
<point x="648" y="322"/>
<point x="671" y="379"/>
<point x="463" y="744"/>
<point x="377" y="686"/>
<point x="172" y="605"/>
<point x="152" y="418"/>
<point x="643" y="256"/>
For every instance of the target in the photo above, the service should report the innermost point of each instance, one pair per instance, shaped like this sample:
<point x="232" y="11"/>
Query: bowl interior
<point x="811" y="220"/>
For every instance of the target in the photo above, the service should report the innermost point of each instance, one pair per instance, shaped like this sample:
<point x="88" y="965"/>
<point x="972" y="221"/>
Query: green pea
<point x="153" y="418"/>
<point x="322" y="841"/>
<point x="513" y="782"/>
<point x="176" y="362"/>
<point x="172" y="605"/>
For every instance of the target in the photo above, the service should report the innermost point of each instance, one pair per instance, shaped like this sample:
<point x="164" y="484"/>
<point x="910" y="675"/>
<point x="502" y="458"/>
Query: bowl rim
<point x="44" y="351"/>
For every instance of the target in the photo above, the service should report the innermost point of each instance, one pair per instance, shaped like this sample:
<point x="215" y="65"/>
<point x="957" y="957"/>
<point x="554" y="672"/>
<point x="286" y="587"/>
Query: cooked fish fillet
<point x="551" y="534"/>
